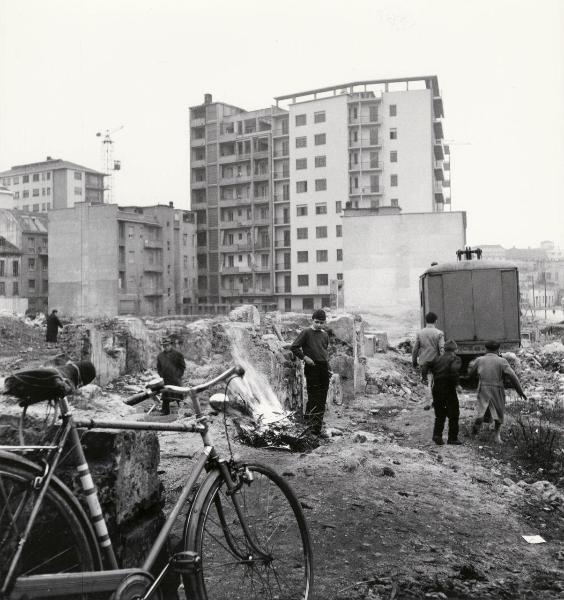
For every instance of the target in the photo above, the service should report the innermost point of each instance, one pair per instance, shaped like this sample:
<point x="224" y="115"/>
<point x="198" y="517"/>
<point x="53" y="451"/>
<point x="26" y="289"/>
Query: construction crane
<point x="109" y="165"/>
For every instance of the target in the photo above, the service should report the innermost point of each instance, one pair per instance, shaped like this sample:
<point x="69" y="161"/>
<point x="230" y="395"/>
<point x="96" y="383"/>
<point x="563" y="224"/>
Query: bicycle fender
<point x="193" y="515"/>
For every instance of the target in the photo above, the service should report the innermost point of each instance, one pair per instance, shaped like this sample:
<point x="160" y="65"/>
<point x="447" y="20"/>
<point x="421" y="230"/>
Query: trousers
<point x="317" y="385"/>
<point x="445" y="404"/>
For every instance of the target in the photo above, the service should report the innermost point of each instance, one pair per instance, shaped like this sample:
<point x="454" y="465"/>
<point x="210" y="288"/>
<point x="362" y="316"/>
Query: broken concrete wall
<point x="124" y="466"/>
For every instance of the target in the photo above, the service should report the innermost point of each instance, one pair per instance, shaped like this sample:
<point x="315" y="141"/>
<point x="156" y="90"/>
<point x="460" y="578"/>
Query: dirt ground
<point x="391" y="514"/>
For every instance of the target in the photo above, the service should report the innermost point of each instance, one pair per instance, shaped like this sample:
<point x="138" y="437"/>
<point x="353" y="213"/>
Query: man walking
<point x="170" y="366"/>
<point x="311" y="346"/>
<point x="429" y="342"/>
<point x="491" y="369"/>
<point x="53" y="325"/>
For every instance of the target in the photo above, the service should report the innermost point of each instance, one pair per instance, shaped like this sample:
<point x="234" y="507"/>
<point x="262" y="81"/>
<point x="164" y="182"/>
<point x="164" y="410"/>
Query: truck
<point x="475" y="301"/>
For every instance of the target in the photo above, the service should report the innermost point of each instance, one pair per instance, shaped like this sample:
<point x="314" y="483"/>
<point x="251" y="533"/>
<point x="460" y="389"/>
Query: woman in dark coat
<point x="53" y="325"/>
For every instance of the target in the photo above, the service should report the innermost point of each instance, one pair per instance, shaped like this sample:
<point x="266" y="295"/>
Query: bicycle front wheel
<point x="230" y="566"/>
<point x="61" y="540"/>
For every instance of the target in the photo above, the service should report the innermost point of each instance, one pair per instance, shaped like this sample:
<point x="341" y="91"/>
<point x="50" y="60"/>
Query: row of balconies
<point x="225" y="270"/>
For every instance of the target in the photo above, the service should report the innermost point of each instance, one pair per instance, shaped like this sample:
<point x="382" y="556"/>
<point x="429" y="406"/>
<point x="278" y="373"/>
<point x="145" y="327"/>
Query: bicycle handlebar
<point x="236" y="371"/>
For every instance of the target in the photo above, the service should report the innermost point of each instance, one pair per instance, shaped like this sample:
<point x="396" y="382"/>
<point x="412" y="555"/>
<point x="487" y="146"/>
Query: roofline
<point x="433" y="79"/>
<point x="54" y="164"/>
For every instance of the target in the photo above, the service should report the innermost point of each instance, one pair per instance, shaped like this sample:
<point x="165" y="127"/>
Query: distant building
<point x="107" y="260"/>
<point x="52" y="183"/>
<point x="492" y="251"/>
<point x="6" y="198"/>
<point x="10" y="268"/>
<point x="269" y="186"/>
<point x="28" y="233"/>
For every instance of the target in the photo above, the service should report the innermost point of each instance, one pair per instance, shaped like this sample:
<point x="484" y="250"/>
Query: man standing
<point x="429" y="342"/>
<point x="491" y="369"/>
<point x="53" y="325"/>
<point x="311" y="346"/>
<point x="171" y="367"/>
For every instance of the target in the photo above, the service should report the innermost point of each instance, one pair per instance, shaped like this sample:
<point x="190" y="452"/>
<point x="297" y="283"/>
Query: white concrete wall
<point x="384" y="255"/>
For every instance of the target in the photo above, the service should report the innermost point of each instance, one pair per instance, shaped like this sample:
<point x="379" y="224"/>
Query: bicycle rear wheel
<point x="276" y="522"/>
<point x="61" y="540"/>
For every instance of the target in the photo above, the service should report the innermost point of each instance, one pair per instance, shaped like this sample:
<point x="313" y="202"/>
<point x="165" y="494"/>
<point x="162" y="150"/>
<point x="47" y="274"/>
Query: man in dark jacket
<point x="311" y="346"/>
<point x="171" y="367"/>
<point x="53" y="325"/>
<point x="445" y="369"/>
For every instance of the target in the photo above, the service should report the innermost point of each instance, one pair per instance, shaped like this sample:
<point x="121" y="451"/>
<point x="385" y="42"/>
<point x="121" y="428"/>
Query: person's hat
<point x="319" y="315"/>
<point x="492" y="345"/>
<point x="166" y="340"/>
<point x="451" y="345"/>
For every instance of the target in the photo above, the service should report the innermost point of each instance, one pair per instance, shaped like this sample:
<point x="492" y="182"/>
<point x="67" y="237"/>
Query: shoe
<point x="438" y="441"/>
<point x="454" y="442"/>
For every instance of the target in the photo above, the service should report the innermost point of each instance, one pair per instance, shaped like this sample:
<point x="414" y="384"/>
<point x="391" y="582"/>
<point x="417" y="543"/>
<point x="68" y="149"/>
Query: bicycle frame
<point x="57" y="585"/>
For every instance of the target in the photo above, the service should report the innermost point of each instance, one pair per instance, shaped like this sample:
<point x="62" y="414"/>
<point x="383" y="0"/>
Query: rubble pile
<point x="286" y="434"/>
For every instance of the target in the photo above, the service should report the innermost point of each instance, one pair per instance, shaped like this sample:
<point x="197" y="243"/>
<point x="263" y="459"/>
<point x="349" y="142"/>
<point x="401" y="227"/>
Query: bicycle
<point x="245" y="534"/>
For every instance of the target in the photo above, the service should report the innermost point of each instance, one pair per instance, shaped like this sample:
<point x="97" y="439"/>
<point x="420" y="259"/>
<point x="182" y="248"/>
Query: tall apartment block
<point x="106" y="260"/>
<point x="269" y="186"/>
<point x="52" y="183"/>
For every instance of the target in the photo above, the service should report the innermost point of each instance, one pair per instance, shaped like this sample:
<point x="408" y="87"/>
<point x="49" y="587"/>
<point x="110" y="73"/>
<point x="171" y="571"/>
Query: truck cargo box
<point x="474" y="301"/>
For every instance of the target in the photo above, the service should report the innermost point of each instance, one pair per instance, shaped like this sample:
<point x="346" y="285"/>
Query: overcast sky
<point x="71" y="68"/>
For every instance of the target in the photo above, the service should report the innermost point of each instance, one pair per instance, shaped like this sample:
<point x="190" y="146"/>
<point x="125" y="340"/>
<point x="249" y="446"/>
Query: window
<point x="394" y="202"/>
<point x="36" y="191"/>
<point x="302" y="256"/>
<point x="321" y="232"/>
<point x="303" y="280"/>
<point x="25" y="194"/>
<point x="36" y="208"/>
<point x="78" y="175"/>
<point x="15" y="268"/>
<point x="300" y="120"/>
<point x="393" y="180"/>
<point x="31" y="264"/>
<point x="307" y="303"/>
<point x="16" y="179"/>
<point x="321" y="161"/>
<point x="78" y="191"/>
<point x="25" y="179"/>
<point x="48" y="191"/>
<point x="48" y="176"/>
<point x="301" y="142"/>
<point x="2" y="288"/>
<point x="31" y="284"/>
<point x="320" y="139"/>
<point x="321" y="208"/>
<point x="319" y="116"/>
<point x="322" y="279"/>
<point x="322" y="255"/>
<point x="301" y="187"/>
<point x="339" y="230"/>
<point x="393" y="133"/>
<point x="15" y="289"/>
<point x="301" y="210"/>
<point x="301" y="163"/>
<point x="338" y="206"/>
<point x="320" y="185"/>
<point x="393" y="156"/>
<point x="302" y="233"/>
<point x="16" y="195"/>
<point x="36" y="177"/>
<point x="393" y="110"/>
<point x="339" y="254"/>
<point x="2" y="267"/>
<point x="45" y="286"/>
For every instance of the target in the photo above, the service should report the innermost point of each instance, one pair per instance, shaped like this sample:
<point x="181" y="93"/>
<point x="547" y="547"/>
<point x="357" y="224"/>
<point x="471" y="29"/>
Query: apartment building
<point x="52" y="183"/>
<point x="10" y="268"/>
<point x="30" y="279"/>
<point x="107" y="260"/>
<point x="276" y="181"/>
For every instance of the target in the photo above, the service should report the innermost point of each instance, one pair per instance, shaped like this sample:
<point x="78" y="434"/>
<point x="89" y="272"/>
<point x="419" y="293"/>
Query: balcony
<point x="263" y="153"/>
<point x="365" y="120"/>
<point x="367" y="191"/>
<point x="198" y="184"/>
<point x="227" y="158"/>
<point x="438" y="129"/>
<point x="280" y="131"/>
<point x="281" y="243"/>
<point x="234" y="179"/>
<point x="284" y="153"/>
<point x="439" y="173"/>
<point x="280" y="198"/>
<point x="261" y="222"/>
<point x="368" y="165"/>
<point x="284" y="289"/>
<point x="242" y="201"/>
<point x="197" y="142"/>
<point x="283" y="267"/>
<point x="262" y="245"/>
<point x="236" y="224"/>
<point x="261" y="175"/>
<point x="198" y="122"/>
<point x="370" y="143"/>
<point x="261" y="199"/>
<point x="438" y="150"/>
<point x="153" y="291"/>
<point x="285" y="174"/>
<point x="262" y="268"/>
<point x="153" y="244"/>
<point x="243" y="247"/>
<point x="235" y="270"/>
<point x="282" y="221"/>
<point x="153" y="268"/>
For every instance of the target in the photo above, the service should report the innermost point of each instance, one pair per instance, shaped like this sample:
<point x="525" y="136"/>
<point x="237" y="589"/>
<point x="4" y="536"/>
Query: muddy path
<point x="394" y="516"/>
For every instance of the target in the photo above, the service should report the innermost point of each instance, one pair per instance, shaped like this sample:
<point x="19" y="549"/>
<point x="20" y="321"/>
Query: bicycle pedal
<point x="185" y="563"/>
